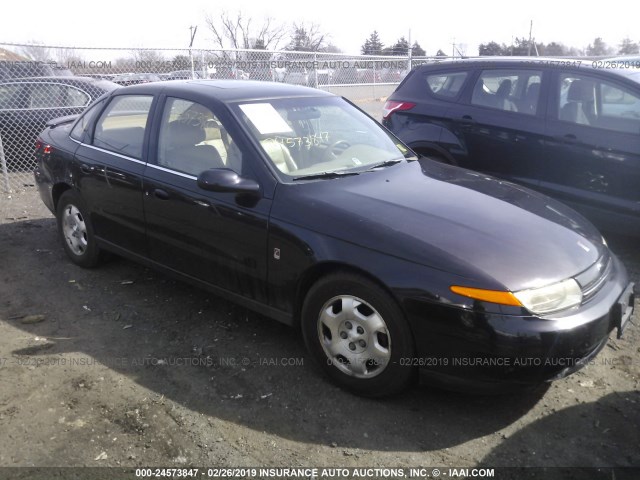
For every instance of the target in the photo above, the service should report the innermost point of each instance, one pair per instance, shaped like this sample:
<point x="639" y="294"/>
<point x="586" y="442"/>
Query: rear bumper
<point x="477" y="350"/>
<point x="45" y="188"/>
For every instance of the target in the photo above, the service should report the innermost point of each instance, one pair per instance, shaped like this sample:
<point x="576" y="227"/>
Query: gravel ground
<point x="122" y="366"/>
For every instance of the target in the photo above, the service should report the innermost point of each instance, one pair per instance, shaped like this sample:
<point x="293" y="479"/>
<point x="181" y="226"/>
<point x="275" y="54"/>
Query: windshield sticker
<point x="265" y="118"/>
<point x="307" y="141"/>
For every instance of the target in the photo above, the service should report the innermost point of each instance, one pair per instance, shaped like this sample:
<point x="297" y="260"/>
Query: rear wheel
<point x="358" y="335"/>
<point x="75" y="230"/>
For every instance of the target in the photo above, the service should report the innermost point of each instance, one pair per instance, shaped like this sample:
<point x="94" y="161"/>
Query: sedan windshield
<point x="319" y="137"/>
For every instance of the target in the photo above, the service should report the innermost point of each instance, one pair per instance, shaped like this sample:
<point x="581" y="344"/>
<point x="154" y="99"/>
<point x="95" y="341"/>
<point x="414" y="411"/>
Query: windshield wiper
<point x="329" y="174"/>
<point x="386" y="163"/>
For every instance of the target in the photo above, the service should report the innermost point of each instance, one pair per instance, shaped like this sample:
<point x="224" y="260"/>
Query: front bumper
<point x="476" y="349"/>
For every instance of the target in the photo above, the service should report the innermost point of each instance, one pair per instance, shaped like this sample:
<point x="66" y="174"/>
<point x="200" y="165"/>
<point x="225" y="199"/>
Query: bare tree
<point x="239" y="32"/>
<point x="148" y="61"/>
<point x="36" y="51"/>
<point x="307" y="38"/>
<point x="150" y="57"/>
<point x="66" y="56"/>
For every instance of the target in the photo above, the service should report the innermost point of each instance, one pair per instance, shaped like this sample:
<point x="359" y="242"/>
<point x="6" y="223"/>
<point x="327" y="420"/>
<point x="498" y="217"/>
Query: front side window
<point x="318" y="136"/>
<point x="446" y="85"/>
<point x="593" y="102"/>
<point x="192" y="139"/>
<point x="121" y="126"/>
<point x="508" y="90"/>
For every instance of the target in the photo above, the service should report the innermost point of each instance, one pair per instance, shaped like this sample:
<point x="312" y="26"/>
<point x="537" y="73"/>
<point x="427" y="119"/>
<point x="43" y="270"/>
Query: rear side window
<point x="80" y="130"/>
<point x="54" y="95"/>
<point x="120" y="128"/>
<point x="13" y="96"/>
<point x="446" y="85"/>
<point x="509" y="90"/>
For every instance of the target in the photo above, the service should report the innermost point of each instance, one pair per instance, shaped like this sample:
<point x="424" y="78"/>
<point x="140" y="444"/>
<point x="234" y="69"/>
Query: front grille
<point x="593" y="279"/>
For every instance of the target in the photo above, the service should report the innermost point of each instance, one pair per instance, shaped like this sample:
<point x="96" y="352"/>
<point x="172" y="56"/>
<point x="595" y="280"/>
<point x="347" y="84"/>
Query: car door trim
<point x="168" y="170"/>
<point x="135" y="160"/>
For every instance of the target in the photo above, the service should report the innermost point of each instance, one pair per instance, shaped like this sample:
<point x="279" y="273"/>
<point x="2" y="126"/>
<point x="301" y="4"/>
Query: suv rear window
<point x="446" y="85"/>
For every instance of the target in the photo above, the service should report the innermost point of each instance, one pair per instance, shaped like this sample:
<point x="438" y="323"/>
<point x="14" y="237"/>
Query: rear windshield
<point x="446" y="85"/>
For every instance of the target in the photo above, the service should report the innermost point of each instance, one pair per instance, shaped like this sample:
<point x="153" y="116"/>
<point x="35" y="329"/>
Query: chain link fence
<point x="40" y="83"/>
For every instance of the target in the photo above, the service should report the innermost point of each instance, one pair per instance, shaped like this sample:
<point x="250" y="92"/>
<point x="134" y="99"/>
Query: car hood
<point x="448" y="218"/>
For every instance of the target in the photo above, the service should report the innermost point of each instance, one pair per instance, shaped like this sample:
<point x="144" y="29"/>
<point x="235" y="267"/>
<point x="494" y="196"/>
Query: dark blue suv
<point x="568" y="128"/>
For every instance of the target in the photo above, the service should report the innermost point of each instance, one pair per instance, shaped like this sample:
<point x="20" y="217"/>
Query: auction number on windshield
<point x="306" y="141"/>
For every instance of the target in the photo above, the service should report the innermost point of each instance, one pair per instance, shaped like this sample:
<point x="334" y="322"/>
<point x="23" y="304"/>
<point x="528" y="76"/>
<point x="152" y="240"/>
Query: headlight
<point x="559" y="296"/>
<point x="543" y="300"/>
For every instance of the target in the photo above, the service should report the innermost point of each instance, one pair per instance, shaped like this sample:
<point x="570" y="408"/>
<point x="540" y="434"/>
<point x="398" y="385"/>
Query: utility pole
<point x="193" y="35"/>
<point x="530" y="33"/>
<point x="410" y="51"/>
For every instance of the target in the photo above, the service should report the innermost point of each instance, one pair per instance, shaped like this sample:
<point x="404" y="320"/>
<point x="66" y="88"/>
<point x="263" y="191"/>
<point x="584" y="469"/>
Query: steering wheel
<point x="334" y="150"/>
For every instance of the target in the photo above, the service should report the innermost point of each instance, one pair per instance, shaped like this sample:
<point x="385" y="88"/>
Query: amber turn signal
<point x="493" y="296"/>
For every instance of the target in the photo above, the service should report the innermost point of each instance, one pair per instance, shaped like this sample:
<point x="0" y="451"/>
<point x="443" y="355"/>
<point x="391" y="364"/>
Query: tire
<point x="358" y="335"/>
<point x="75" y="230"/>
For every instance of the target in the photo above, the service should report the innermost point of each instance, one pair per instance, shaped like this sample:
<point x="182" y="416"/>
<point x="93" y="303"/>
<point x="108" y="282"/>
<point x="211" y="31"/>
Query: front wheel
<point x="358" y="335"/>
<point x="76" y="231"/>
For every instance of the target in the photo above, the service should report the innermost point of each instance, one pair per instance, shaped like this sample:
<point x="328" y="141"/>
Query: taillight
<point x="391" y="106"/>
<point x="46" y="149"/>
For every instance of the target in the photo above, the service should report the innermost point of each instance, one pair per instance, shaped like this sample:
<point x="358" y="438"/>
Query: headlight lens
<point x="552" y="298"/>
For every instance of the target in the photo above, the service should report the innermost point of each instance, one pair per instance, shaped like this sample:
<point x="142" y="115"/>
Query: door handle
<point x="161" y="194"/>
<point x="84" y="168"/>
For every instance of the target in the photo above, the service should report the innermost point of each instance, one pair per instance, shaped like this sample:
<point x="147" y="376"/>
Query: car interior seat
<point x="183" y="151"/>
<point x="531" y="98"/>
<point x="280" y="155"/>
<point x="502" y="96"/>
<point x="579" y="106"/>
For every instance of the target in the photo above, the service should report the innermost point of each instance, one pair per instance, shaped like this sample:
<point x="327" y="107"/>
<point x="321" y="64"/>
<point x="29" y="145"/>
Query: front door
<point x="593" y="147"/>
<point x="218" y="238"/>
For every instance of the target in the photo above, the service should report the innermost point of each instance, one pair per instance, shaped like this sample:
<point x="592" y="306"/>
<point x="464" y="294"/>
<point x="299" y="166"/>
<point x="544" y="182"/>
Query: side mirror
<point x="226" y="180"/>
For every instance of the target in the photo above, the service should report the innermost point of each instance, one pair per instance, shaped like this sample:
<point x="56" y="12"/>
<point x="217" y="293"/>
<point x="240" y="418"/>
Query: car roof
<point x="577" y="63"/>
<point x="229" y="90"/>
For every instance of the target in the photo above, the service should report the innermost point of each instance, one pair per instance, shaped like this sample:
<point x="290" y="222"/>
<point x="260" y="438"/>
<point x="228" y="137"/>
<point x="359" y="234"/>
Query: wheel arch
<point x="57" y="191"/>
<point x="322" y="269"/>
<point x="426" y="148"/>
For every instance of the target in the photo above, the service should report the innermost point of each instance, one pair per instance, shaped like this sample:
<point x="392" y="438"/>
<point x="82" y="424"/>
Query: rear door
<point x="593" y="146"/>
<point x="109" y="171"/>
<point x="500" y="120"/>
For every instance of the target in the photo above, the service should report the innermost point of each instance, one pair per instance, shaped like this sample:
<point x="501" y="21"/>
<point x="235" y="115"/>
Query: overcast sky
<point x="435" y="25"/>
